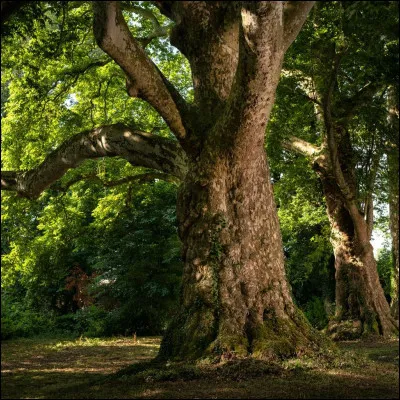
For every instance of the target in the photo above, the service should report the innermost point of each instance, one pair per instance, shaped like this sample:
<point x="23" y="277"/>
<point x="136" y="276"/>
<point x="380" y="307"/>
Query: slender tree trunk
<point x="361" y="307"/>
<point x="393" y="181"/>
<point x="394" y="230"/>
<point x="235" y="299"/>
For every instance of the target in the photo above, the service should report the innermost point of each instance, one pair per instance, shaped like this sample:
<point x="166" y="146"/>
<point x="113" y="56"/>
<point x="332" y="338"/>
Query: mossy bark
<point x="235" y="299"/>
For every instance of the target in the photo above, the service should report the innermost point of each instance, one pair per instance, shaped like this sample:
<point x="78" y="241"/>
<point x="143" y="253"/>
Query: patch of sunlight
<point x="38" y="377"/>
<point x="99" y="342"/>
<point x="296" y="363"/>
<point x="152" y="393"/>
<point x="73" y="370"/>
<point x="338" y="372"/>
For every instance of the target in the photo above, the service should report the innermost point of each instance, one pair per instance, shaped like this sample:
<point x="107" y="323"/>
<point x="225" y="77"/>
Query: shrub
<point x="316" y="313"/>
<point x="90" y="321"/>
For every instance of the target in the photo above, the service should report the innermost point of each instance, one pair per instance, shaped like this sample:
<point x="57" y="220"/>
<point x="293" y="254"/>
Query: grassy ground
<point x="87" y="369"/>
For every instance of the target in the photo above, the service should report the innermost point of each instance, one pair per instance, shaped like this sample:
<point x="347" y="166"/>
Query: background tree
<point x="393" y="189"/>
<point x="347" y="108"/>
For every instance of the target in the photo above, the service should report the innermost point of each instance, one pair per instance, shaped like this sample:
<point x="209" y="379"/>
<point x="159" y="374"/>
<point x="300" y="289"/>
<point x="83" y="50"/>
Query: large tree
<point x="235" y="297"/>
<point x="346" y="82"/>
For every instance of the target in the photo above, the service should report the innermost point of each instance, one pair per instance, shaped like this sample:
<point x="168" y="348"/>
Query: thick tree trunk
<point x="235" y="297"/>
<point x="236" y="300"/>
<point x="361" y="307"/>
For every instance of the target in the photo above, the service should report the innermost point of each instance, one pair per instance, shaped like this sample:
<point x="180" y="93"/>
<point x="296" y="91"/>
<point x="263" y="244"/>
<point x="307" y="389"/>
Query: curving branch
<point x="144" y="80"/>
<point x="300" y="146"/>
<point x="147" y="14"/>
<point x="139" y="148"/>
<point x="295" y="14"/>
<point x="158" y="30"/>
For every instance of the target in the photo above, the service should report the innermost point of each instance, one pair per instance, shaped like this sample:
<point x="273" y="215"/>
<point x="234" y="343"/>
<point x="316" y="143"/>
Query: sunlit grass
<point x="101" y="342"/>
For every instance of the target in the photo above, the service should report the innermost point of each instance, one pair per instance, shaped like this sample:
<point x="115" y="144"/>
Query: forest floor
<point x="87" y="369"/>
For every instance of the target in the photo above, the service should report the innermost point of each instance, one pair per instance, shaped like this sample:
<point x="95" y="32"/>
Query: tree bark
<point x="235" y="298"/>
<point x="139" y="148"/>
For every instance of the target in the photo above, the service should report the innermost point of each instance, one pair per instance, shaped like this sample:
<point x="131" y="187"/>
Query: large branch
<point x="144" y="79"/>
<point x="295" y="14"/>
<point x="266" y="29"/>
<point x="139" y="148"/>
<point x="257" y="73"/>
<point x="300" y="146"/>
<point x="158" y="30"/>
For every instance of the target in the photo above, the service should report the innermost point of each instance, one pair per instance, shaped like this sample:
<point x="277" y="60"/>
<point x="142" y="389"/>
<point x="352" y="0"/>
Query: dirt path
<point x="76" y="370"/>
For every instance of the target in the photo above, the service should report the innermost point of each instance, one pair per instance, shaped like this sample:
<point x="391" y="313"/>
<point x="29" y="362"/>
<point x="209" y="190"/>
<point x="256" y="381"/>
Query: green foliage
<point x="131" y="246"/>
<point x="90" y="321"/>
<point x="57" y="82"/>
<point x="137" y="258"/>
<point x="316" y="313"/>
<point x="20" y="321"/>
<point x="385" y="270"/>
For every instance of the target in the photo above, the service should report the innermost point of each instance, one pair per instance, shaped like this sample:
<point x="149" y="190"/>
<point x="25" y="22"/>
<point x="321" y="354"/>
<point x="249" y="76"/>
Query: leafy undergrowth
<point x="125" y="368"/>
